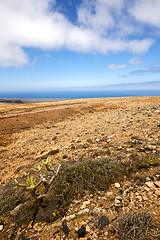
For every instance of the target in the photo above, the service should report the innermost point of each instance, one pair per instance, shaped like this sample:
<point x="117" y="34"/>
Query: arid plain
<point x="80" y="129"/>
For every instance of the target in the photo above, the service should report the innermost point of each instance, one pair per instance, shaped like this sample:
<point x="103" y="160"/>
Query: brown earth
<point x="28" y="130"/>
<point x="78" y="129"/>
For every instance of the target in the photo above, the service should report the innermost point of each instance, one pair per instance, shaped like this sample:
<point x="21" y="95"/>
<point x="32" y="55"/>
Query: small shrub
<point x="89" y="175"/>
<point x="10" y="198"/>
<point x="26" y="214"/>
<point x="148" y="162"/>
<point x="135" y="226"/>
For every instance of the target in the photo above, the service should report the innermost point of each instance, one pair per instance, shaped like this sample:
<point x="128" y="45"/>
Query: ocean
<point x="39" y="96"/>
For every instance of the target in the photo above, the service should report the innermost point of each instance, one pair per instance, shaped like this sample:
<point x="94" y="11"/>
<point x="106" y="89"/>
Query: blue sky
<point x="50" y="44"/>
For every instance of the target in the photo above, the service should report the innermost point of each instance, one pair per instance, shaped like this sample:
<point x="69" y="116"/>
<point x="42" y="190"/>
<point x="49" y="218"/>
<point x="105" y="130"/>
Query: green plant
<point x="148" y="162"/>
<point x="53" y="216"/>
<point x="2" y="221"/>
<point x="31" y="184"/>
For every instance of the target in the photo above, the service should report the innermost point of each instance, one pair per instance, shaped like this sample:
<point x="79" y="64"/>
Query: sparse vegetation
<point x="149" y="162"/>
<point x="143" y="162"/>
<point x="66" y="183"/>
<point x="31" y="184"/>
<point x="2" y="221"/>
<point x="136" y="226"/>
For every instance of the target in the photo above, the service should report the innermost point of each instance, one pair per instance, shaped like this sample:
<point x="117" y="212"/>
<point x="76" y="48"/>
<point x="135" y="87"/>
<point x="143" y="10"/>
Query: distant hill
<point x="11" y="101"/>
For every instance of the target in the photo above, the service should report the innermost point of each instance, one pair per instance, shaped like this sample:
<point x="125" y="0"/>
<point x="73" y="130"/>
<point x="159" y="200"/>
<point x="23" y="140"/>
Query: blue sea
<point x="75" y="94"/>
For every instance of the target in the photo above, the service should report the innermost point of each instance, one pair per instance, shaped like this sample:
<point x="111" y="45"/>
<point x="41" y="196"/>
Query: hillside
<point x="96" y="137"/>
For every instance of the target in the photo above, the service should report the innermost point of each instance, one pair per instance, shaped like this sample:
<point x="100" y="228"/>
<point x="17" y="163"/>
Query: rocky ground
<point x="114" y="128"/>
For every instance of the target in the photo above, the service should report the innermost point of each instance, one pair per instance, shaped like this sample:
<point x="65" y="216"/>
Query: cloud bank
<point x="103" y="26"/>
<point x="152" y="69"/>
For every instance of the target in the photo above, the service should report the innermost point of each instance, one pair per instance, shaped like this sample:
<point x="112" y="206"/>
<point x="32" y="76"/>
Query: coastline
<point x="57" y="96"/>
<point x="30" y="100"/>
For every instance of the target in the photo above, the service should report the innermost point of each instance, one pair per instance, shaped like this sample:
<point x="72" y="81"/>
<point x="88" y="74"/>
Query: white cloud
<point x="135" y="61"/>
<point x="97" y="14"/>
<point x="113" y="66"/>
<point x="31" y="23"/>
<point x="147" y="11"/>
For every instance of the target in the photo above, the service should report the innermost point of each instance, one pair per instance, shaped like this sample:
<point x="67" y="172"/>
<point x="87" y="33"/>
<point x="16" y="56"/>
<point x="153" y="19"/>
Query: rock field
<point x="118" y="128"/>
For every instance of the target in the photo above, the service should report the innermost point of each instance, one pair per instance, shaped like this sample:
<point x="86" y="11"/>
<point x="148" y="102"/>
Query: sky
<point x="52" y="44"/>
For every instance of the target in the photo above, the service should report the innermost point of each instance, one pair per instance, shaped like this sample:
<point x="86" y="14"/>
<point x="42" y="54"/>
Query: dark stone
<point x="66" y="227"/>
<point x="82" y="232"/>
<point x="56" y="232"/>
<point x="54" y="138"/>
<point x="44" y="214"/>
<point x="89" y="140"/>
<point x="73" y="147"/>
<point x="52" y="152"/>
<point x="103" y="221"/>
<point x="3" y="150"/>
<point x="23" y="238"/>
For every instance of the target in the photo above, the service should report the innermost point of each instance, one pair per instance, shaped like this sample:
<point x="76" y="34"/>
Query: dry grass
<point x="137" y="226"/>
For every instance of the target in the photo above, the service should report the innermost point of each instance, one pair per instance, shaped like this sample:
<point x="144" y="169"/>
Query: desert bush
<point x="136" y="226"/>
<point x="89" y="175"/>
<point x="71" y="181"/>
<point x="149" y="162"/>
<point x="140" y="162"/>
<point x="10" y="198"/>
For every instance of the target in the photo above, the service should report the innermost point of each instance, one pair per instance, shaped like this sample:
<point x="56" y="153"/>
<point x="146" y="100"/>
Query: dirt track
<point x="15" y="118"/>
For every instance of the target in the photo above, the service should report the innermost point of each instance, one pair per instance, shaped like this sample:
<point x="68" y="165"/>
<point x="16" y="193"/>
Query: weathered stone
<point x="15" y="210"/>
<point x="145" y="198"/>
<point x="148" y="179"/>
<point x="157" y="192"/>
<point x="70" y="217"/>
<point x="150" y="185"/>
<point x="151" y="147"/>
<point x="1" y="227"/>
<point x="56" y="224"/>
<point x="111" y="217"/>
<point x="66" y="227"/>
<point x="157" y="184"/>
<point x="99" y="211"/>
<point x="117" y="201"/>
<point x="88" y="229"/>
<point x="82" y="232"/>
<point x="85" y="203"/>
<point x="117" y="185"/>
<point x="54" y="138"/>
<point x="45" y="213"/>
<point x="126" y="191"/>
<point x="146" y="188"/>
<point x="52" y="152"/>
<point x="109" y="193"/>
<point x="103" y="221"/>
<point x="83" y="212"/>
